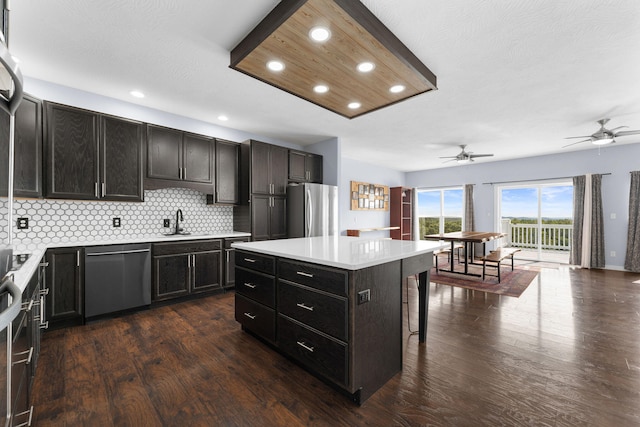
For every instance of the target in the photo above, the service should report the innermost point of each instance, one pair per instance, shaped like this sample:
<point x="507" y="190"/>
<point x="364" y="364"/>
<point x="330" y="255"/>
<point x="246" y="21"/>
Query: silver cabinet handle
<point x="78" y="258"/>
<point x="184" y="173"/>
<point x="306" y="307"/>
<point x="250" y="260"/>
<point x="104" y="189"/>
<point x="95" y="190"/>
<point x="26" y="361"/>
<point x="250" y="316"/>
<point x="250" y="285"/>
<point x="27" y="423"/>
<point x="305" y="346"/>
<point x="302" y="273"/>
<point x="27" y="306"/>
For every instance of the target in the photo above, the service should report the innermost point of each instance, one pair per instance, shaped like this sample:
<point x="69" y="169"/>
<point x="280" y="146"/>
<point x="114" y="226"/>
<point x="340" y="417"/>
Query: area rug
<point x="512" y="283"/>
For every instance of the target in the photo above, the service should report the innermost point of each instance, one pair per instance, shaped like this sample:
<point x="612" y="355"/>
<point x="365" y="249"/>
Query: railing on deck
<point x="552" y="236"/>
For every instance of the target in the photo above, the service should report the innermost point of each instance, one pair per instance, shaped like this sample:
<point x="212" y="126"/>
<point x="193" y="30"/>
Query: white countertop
<point x="350" y="253"/>
<point x="37" y="249"/>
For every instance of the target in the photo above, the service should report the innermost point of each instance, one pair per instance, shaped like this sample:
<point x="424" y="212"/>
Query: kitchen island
<point x="333" y="304"/>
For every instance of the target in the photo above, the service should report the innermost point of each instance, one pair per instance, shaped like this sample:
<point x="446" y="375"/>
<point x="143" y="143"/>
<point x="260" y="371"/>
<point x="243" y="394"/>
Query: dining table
<point x="468" y="239"/>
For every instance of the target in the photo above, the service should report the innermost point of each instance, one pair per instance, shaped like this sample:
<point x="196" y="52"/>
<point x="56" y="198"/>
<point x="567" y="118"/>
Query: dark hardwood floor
<point x="566" y="353"/>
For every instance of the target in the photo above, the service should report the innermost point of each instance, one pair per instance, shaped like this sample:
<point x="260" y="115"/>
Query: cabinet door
<point x="27" y="176"/>
<point x="121" y="159"/>
<point x="260" y="217"/>
<point x="297" y="170"/>
<point x="72" y="153"/>
<point x="164" y="153"/>
<point x="198" y="158"/>
<point x="278" y="218"/>
<point x="230" y="268"/>
<point x="313" y="167"/>
<point x="207" y="271"/>
<point x="279" y="162"/>
<point x="64" y="279"/>
<point x="227" y="156"/>
<point x="260" y="179"/>
<point x="170" y="276"/>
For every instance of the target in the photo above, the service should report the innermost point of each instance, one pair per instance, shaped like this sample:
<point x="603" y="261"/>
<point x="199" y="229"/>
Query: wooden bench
<point x="457" y="247"/>
<point x="496" y="257"/>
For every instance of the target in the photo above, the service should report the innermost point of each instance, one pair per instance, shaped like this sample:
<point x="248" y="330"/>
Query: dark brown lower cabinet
<point x="316" y="315"/>
<point x="65" y="280"/>
<point x="230" y="261"/>
<point x="184" y="268"/>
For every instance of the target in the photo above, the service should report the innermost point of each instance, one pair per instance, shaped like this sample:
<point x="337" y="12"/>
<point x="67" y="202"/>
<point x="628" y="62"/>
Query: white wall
<point x="617" y="160"/>
<point x="354" y="170"/>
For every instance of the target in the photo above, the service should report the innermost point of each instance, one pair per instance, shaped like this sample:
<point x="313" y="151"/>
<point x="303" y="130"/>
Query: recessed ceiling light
<point x="321" y="89"/>
<point x="320" y="34"/>
<point x="136" y="94"/>
<point x="275" y="65"/>
<point x="223" y="118"/>
<point x="396" y="88"/>
<point x="354" y="105"/>
<point x="365" y="67"/>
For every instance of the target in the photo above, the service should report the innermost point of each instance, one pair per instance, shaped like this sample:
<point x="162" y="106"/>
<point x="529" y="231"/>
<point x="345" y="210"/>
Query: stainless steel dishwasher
<point x="117" y="277"/>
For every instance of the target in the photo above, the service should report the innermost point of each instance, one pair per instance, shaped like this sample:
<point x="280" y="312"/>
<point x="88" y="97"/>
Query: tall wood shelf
<point x="401" y="211"/>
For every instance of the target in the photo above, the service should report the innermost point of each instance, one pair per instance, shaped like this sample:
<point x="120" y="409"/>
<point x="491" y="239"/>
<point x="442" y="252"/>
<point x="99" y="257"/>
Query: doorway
<point x="537" y="218"/>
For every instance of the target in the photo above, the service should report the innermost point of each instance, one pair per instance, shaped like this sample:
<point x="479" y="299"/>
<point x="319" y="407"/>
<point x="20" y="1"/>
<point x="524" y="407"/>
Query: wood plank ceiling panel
<point x="356" y="36"/>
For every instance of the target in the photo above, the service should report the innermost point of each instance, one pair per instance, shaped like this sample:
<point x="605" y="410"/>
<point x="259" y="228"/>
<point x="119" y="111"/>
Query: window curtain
<point x="469" y="224"/>
<point x="632" y="259"/>
<point x="587" y="246"/>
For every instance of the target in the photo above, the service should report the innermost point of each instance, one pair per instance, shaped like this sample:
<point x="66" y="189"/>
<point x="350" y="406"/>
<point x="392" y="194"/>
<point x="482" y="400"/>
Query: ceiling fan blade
<point x="574" y="143"/>
<point x="627" y="132"/>
<point x="480" y="155"/>
<point x="573" y="137"/>
<point x="615" y="129"/>
<point x="449" y="157"/>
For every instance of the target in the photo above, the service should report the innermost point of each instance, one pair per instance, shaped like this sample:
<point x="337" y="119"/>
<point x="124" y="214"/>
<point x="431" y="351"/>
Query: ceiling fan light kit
<point x="339" y="44"/>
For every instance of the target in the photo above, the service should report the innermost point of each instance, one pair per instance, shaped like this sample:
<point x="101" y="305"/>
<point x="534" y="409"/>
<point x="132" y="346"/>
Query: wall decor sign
<point x="369" y="197"/>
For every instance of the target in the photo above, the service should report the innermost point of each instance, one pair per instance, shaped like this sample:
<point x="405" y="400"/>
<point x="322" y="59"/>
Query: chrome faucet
<point x="179" y="218"/>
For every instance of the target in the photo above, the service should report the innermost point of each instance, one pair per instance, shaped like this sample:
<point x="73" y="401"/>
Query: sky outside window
<point x="557" y="202"/>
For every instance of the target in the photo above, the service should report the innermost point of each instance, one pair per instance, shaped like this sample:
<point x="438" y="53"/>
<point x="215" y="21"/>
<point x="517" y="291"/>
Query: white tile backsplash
<point x="51" y="219"/>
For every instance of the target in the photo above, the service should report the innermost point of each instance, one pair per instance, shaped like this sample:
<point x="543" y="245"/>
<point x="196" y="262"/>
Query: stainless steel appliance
<point x="312" y="210"/>
<point x="117" y="277"/>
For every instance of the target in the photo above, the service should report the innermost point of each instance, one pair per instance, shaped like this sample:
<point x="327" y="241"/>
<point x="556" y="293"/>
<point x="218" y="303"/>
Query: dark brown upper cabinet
<point x="227" y="168"/>
<point x="27" y="169"/>
<point x="269" y="169"/>
<point x="91" y="156"/>
<point x="305" y="167"/>
<point x="179" y="159"/>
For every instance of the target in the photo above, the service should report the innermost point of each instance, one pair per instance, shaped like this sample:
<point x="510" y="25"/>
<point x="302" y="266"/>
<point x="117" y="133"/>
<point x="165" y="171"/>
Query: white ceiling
<point x="514" y="77"/>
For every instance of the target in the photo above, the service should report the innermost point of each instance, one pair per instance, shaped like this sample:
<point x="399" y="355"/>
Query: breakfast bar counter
<point x="333" y="304"/>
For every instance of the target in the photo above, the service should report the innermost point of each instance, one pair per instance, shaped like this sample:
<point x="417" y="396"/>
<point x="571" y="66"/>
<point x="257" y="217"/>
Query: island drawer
<point x="263" y="263"/>
<point x="256" y="317"/>
<point x="320" y="310"/>
<point x="257" y="286"/>
<point x="321" y="353"/>
<point x="171" y="248"/>
<point x="325" y="279"/>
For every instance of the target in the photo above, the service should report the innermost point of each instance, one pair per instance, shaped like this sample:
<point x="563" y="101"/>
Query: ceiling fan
<point x="603" y="136"/>
<point x="465" y="156"/>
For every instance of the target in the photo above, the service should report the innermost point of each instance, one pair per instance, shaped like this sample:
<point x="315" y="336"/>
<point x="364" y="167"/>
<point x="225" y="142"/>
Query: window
<point x="440" y="211"/>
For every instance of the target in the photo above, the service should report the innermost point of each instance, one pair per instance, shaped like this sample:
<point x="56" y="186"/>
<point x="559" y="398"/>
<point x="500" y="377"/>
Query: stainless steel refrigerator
<point x="312" y="210"/>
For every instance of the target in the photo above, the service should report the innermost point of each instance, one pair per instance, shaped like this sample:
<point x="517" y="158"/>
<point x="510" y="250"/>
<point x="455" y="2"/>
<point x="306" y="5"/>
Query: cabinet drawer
<point x="329" y="280"/>
<point x="320" y="353"/>
<point x="321" y="311"/>
<point x="263" y="263"/>
<point x="256" y="286"/>
<point x="171" y="248"/>
<point x="256" y="317"/>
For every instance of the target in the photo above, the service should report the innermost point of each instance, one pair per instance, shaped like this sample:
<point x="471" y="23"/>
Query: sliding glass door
<point x="440" y="211"/>
<point x="538" y="218"/>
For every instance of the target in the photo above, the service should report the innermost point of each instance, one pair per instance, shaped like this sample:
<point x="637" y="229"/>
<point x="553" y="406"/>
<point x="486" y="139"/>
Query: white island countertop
<point x="350" y="253"/>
